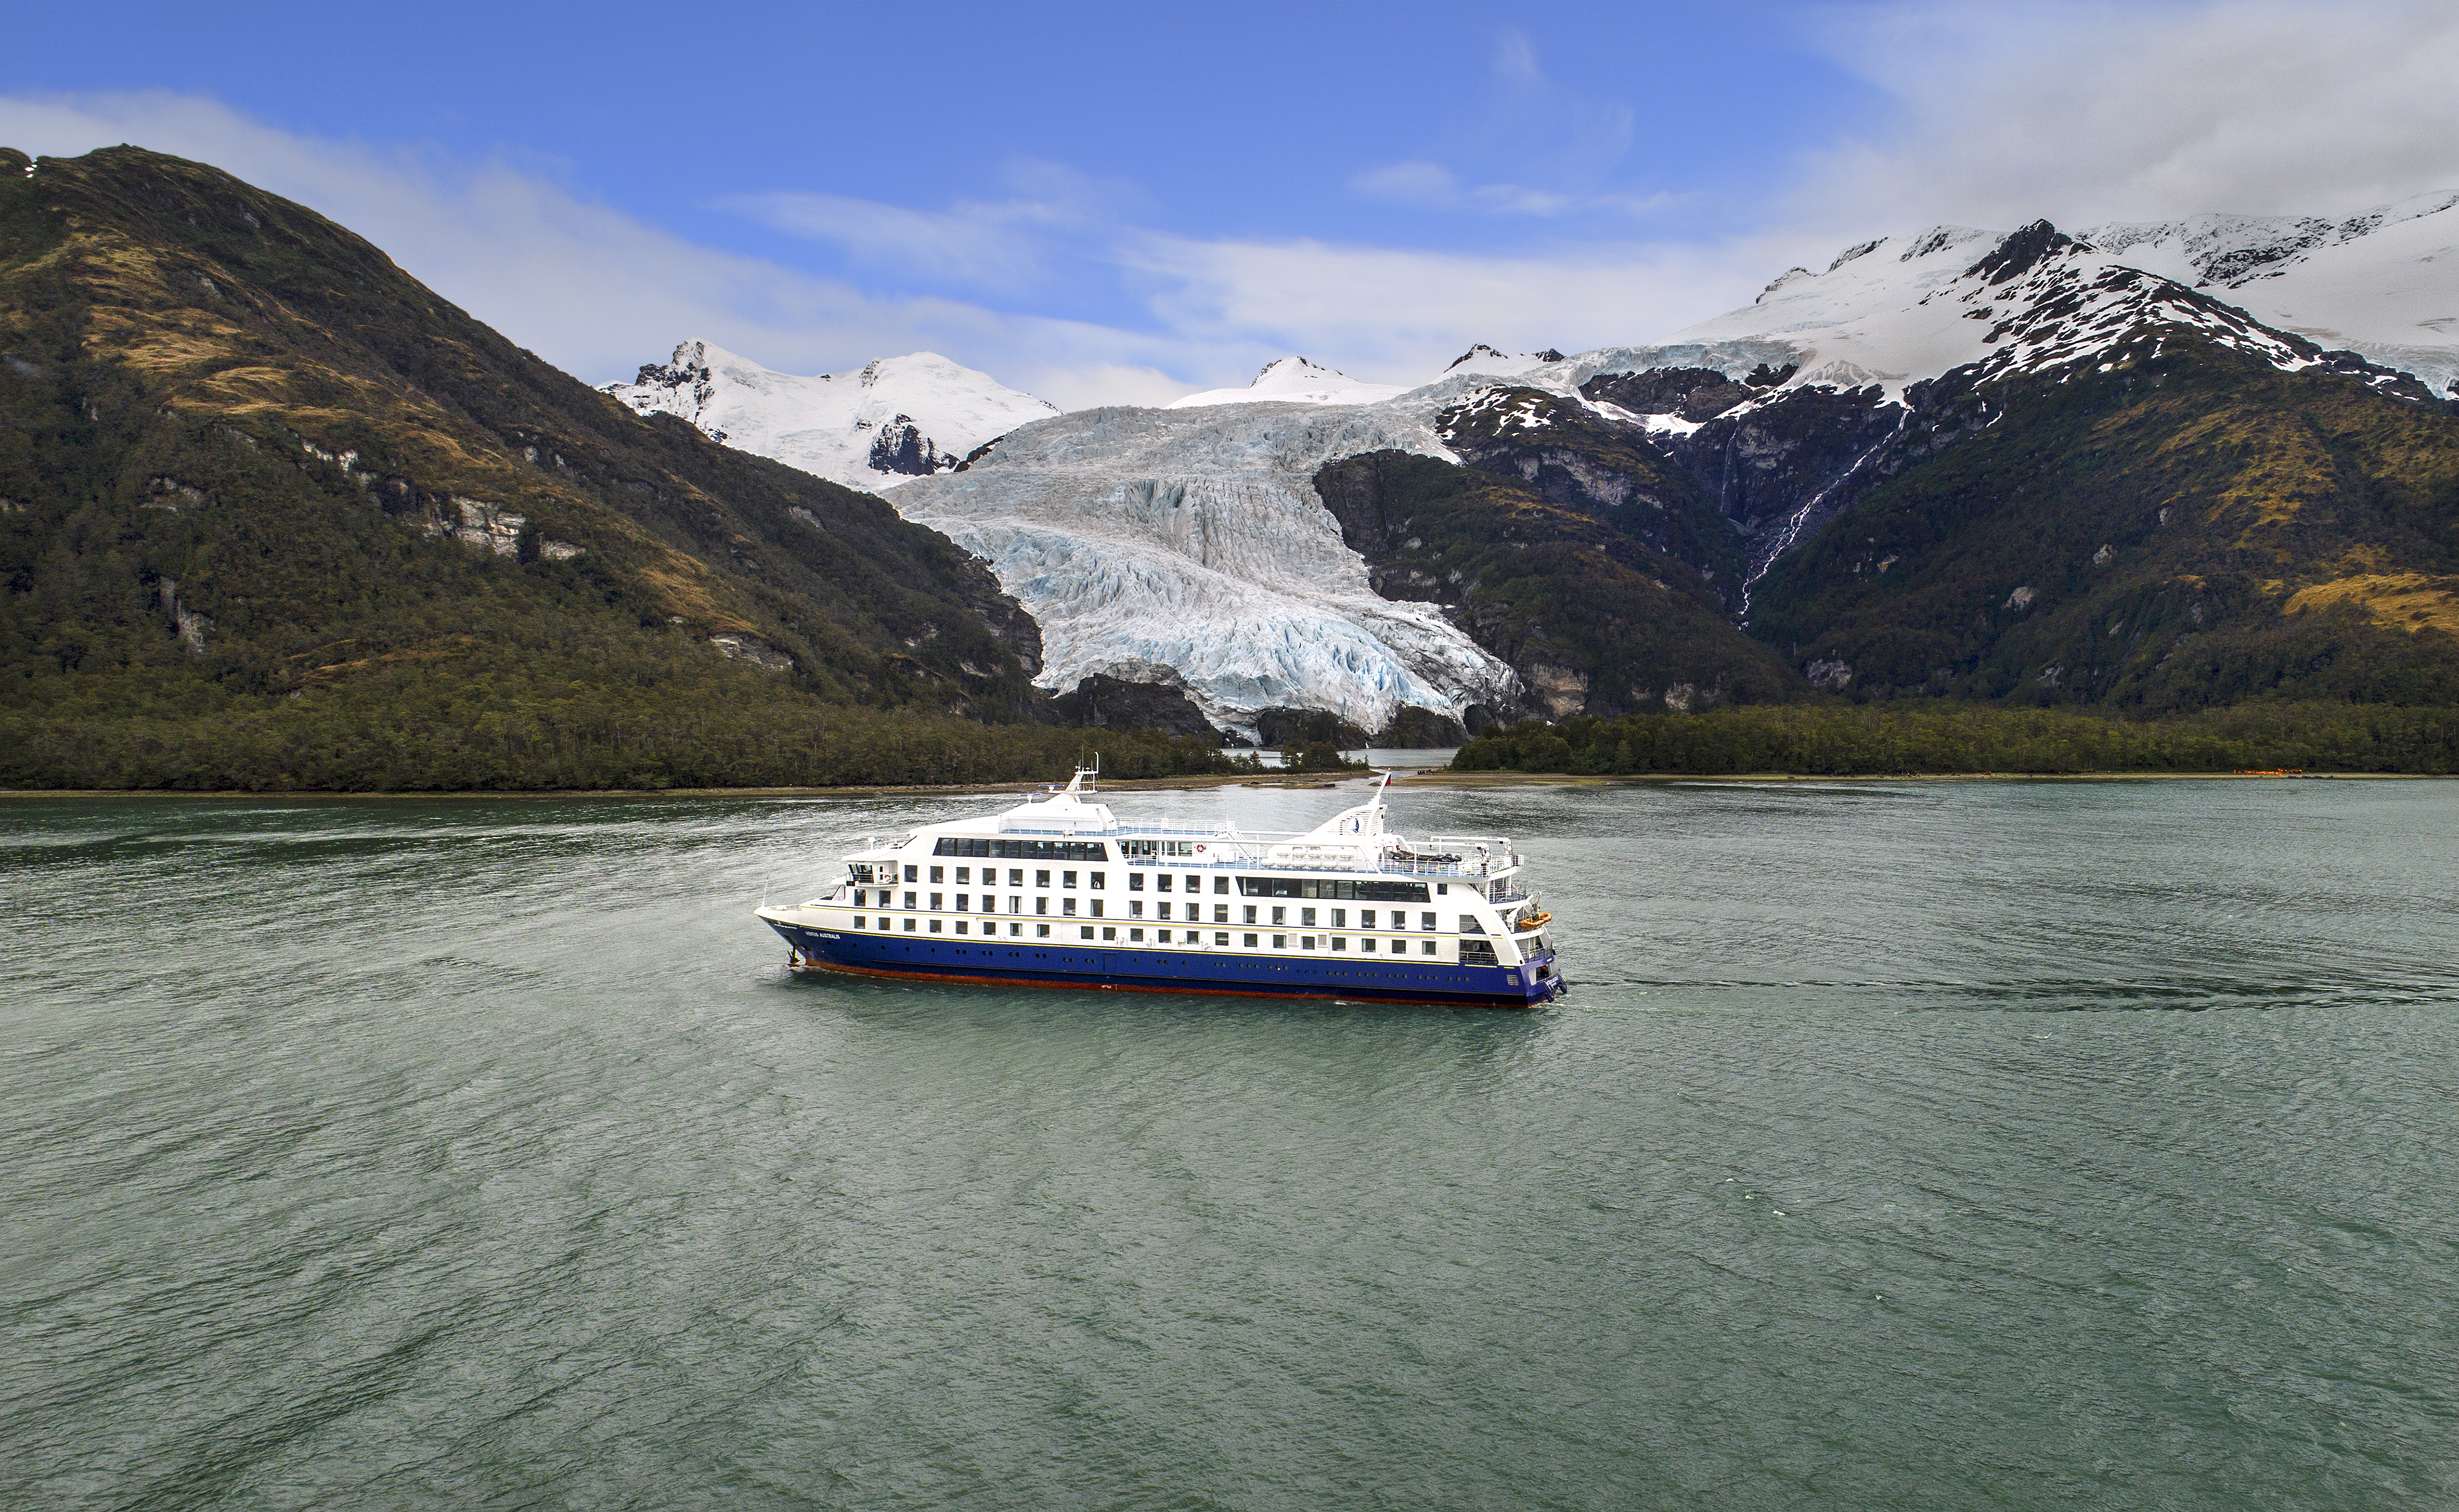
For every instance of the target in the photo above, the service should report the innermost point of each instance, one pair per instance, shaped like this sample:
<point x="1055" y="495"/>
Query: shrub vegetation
<point x="1879" y="739"/>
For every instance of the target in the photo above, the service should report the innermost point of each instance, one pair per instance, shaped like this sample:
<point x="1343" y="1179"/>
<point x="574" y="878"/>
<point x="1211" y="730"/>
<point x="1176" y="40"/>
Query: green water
<point x="1920" y="1145"/>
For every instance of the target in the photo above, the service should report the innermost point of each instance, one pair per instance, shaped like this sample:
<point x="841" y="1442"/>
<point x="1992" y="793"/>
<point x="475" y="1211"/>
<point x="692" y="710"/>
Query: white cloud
<point x="598" y="293"/>
<point x="992" y="245"/>
<point x="1571" y="143"/>
<point x="1004" y="245"/>
<point x="1432" y="186"/>
<point x="1393" y="315"/>
<point x="2087" y="113"/>
<point x="588" y="287"/>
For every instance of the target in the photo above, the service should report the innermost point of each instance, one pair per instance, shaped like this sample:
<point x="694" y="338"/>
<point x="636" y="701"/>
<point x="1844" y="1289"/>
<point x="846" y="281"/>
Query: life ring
<point x="1199" y="849"/>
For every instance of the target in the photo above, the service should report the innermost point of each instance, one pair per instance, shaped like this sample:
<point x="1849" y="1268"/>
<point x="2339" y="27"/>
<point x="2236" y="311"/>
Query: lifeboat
<point x="1534" y="921"/>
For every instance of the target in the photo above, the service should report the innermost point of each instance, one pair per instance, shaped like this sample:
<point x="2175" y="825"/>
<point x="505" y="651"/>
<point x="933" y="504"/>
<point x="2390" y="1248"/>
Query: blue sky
<point x="1120" y="203"/>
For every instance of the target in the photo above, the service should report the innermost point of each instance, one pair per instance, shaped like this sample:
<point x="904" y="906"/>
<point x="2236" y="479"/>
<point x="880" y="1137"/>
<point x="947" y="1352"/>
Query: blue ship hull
<point x="1045" y="963"/>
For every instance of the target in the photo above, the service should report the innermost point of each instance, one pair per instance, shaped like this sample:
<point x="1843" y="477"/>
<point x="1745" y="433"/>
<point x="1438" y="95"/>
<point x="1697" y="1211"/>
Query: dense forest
<point x="494" y="722"/>
<point x="1841" y="740"/>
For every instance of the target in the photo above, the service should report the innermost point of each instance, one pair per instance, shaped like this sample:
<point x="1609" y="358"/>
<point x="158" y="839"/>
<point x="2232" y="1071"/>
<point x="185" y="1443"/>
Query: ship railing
<point x="1137" y="833"/>
<point x="1245" y="851"/>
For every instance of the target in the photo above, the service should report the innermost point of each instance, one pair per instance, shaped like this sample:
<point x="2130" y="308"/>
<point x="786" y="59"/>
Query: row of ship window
<point x="1366" y="944"/>
<point x="1161" y="881"/>
<point x="1367" y="919"/>
<point x="1371" y="890"/>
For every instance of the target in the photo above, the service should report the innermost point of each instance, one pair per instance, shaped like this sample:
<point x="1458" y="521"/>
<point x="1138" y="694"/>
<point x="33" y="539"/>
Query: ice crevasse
<point x="1193" y="541"/>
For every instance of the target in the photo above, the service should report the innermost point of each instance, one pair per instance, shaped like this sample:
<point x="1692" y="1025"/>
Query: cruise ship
<point x="1056" y="892"/>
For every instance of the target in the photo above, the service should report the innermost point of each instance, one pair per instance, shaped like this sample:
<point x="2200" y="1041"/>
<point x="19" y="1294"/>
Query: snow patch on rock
<point x="896" y="418"/>
<point x="1293" y="380"/>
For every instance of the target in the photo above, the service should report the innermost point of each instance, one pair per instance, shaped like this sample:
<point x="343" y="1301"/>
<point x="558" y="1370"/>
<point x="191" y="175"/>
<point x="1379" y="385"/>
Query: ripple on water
<point x="1898" y="1145"/>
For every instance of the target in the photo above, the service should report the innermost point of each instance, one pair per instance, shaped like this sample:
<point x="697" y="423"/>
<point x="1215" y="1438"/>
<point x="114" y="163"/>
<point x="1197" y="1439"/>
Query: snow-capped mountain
<point x="2385" y="285"/>
<point x="2385" y="282"/>
<point x="895" y="419"/>
<point x="1293" y="380"/>
<point x="1189" y="543"/>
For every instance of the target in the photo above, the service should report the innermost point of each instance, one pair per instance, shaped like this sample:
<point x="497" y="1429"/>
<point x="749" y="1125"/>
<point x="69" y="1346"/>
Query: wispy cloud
<point x="1005" y="244"/>
<point x="593" y="290"/>
<point x="994" y="244"/>
<point x="1432" y="186"/>
<point x="1573" y="152"/>
<point x="1398" y="315"/>
<point x="2093" y="113"/>
<point x="598" y="292"/>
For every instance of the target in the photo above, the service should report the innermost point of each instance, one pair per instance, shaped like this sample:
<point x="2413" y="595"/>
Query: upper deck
<point x="1062" y="827"/>
<point x="1275" y="850"/>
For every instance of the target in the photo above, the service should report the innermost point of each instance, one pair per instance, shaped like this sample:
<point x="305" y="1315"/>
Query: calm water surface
<point x="1898" y="1145"/>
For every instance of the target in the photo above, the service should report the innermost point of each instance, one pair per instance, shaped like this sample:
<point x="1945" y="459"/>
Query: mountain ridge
<point x="1873" y="483"/>
<point x="277" y="514"/>
<point x="1724" y="449"/>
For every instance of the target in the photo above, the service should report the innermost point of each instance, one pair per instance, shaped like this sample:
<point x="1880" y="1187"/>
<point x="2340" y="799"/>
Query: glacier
<point x="1193" y="541"/>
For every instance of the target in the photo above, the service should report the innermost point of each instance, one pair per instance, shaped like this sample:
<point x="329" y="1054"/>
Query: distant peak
<point x="872" y="427"/>
<point x="1482" y="354"/>
<point x="1788" y="276"/>
<point x="1295" y="367"/>
<point x="2021" y="252"/>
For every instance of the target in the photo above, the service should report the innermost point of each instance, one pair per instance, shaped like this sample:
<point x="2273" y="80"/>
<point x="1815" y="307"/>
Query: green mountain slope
<point x="271" y="513"/>
<point x="1594" y="619"/>
<point x="2184" y="530"/>
<point x="2163" y="520"/>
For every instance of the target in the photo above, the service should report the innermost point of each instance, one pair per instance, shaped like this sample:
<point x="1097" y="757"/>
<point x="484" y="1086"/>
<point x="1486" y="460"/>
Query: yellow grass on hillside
<point x="2396" y="600"/>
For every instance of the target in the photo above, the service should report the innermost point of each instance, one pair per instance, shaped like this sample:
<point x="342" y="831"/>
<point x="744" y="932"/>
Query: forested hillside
<point x="1593" y="615"/>
<point x="2183" y="527"/>
<point x="273" y="514"/>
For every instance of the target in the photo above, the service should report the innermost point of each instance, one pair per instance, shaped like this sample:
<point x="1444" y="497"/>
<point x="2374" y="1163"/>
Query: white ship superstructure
<point x="1058" y="891"/>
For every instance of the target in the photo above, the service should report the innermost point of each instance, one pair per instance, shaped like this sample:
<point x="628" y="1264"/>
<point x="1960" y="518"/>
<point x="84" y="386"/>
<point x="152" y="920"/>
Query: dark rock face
<point x="740" y="647"/>
<point x="1107" y="702"/>
<point x="1421" y="729"/>
<point x="1780" y="470"/>
<point x="2020" y="252"/>
<point x="902" y="447"/>
<point x="1288" y="728"/>
<point x="1566" y="591"/>
<point x="1694" y="394"/>
<point x="1010" y="624"/>
<point x="1608" y="469"/>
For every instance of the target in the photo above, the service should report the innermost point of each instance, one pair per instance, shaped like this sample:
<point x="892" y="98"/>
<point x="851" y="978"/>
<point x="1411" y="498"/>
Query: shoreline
<point x="1563" y="780"/>
<point x="1402" y="778"/>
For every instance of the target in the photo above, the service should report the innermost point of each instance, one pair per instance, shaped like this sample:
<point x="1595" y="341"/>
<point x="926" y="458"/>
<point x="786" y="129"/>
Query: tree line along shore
<point x="1871" y="740"/>
<point x="529" y="738"/>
